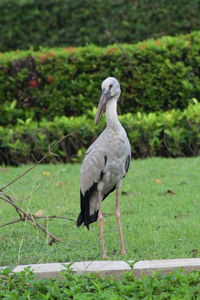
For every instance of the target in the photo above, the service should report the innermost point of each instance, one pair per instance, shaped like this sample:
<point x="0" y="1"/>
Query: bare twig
<point x="11" y="201"/>
<point x="12" y="222"/>
<point x="26" y="216"/>
<point x="53" y="217"/>
<point x="36" y="217"/>
<point x="37" y="163"/>
<point x="23" y="215"/>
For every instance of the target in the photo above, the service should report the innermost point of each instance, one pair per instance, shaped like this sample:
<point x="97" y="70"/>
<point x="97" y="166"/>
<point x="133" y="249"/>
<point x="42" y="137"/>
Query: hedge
<point x="155" y="75"/>
<point x="170" y="134"/>
<point x="175" y="285"/>
<point x="34" y="23"/>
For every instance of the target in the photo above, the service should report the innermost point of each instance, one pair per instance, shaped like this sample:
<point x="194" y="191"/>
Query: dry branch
<point x="50" y="152"/>
<point x="23" y="215"/>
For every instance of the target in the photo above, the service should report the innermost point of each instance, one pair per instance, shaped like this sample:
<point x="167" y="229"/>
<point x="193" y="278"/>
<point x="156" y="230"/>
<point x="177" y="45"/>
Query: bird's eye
<point x="110" y="86"/>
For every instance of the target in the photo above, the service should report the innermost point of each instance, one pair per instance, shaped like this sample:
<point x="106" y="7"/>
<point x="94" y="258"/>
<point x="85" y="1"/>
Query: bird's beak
<point x="102" y="105"/>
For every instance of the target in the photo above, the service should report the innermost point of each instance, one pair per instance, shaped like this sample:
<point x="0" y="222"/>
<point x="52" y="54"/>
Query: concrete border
<point x="52" y="270"/>
<point x="166" y="265"/>
<point x="114" y="268"/>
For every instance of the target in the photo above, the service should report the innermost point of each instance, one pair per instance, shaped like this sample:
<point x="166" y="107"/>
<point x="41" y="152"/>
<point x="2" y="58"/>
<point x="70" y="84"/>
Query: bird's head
<point x="110" y="91"/>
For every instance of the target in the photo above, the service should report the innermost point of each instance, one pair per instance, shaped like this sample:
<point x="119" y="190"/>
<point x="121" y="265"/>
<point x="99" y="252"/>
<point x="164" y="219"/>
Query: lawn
<point x="160" y="204"/>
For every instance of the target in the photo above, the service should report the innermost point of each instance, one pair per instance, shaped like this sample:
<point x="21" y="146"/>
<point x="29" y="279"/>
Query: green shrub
<point x="175" y="285"/>
<point x="154" y="76"/>
<point x="173" y="133"/>
<point x="34" y="23"/>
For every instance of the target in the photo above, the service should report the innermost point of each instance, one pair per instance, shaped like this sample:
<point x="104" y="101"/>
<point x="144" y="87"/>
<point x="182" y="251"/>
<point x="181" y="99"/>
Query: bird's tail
<point x="87" y="220"/>
<point x="85" y="217"/>
<point x="80" y="220"/>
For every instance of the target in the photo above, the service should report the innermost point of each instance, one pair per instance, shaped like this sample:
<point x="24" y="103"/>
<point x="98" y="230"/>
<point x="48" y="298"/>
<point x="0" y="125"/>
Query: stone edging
<point x="114" y="268"/>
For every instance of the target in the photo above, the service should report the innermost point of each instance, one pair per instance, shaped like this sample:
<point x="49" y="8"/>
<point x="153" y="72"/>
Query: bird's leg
<point x="100" y="219"/>
<point x="123" y="251"/>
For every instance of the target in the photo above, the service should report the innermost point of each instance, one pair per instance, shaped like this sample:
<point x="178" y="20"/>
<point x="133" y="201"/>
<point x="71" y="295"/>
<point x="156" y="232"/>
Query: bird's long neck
<point x="111" y="114"/>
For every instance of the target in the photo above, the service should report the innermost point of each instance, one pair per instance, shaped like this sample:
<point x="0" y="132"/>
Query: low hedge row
<point x="31" y="23"/>
<point x="155" y="75"/>
<point x="173" y="133"/>
<point x="175" y="285"/>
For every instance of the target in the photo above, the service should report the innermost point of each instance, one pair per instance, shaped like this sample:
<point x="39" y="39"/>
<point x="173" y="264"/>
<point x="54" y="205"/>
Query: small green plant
<point x="175" y="285"/>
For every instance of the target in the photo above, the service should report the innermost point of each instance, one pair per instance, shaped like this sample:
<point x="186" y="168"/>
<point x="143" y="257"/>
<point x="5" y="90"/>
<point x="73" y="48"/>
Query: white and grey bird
<point x="105" y="164"/>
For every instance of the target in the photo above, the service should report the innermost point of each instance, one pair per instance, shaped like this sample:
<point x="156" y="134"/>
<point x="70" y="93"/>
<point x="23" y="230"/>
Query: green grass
<point x="156" y="224"/>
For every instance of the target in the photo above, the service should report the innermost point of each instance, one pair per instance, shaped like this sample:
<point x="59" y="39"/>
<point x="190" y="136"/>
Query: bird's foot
<point x="104" y="255"/>
<point x="123" y="252"/>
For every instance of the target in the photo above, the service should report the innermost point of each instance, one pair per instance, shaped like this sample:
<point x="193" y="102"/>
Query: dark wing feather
<point x="84" y="216"/>
<point x="91" y="174"/>
<point x="127" y="163"/>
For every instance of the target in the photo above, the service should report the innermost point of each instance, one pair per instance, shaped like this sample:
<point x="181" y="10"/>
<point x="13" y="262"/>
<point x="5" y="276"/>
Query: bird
<point x="105" y="164"/>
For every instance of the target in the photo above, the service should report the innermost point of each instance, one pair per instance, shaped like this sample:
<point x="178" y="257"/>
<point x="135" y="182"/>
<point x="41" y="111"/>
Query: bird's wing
<point x="92" y="166"/>
<point x="97" y="142"/>
<point x="127" y="163"/>
<point x="127" y="153"/>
